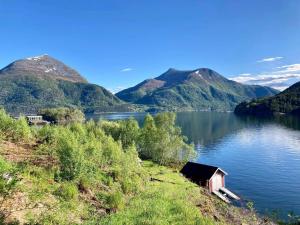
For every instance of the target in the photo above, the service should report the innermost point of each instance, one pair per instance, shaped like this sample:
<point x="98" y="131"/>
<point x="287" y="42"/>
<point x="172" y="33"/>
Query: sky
<point x="119" y="43"/>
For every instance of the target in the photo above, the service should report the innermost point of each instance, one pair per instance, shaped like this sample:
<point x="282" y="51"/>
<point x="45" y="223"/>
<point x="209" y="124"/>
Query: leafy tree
<point x="125" y="131"/>
<point x="63" y="115"/>
<point x="162" y="141"/>
<point x="70" y="156"/>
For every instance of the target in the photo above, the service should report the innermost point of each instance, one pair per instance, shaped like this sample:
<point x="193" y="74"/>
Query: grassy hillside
<point x="78" y="174"/>
<point x="201" y="89"/>
<point x="287" y="102"/>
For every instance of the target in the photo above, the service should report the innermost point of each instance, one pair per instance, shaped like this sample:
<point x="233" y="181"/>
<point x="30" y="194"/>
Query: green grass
<point x="168" y="198"/>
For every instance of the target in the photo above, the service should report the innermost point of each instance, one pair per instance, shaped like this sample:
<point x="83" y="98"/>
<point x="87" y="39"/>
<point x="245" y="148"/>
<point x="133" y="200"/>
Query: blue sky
<point x="118" y="43"/>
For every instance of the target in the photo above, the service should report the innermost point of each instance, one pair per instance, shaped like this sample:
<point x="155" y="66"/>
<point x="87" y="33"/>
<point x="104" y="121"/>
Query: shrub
<point x="16" y="130"/>
<point x="63" y="115"/>
<point x="70" y="156"/>
<point x="22" y="131"/>
<point x="115" y="200"/>
<point x="67" y="191"/>
<point x="8" y="183"/>
<point x="125" y="131"/>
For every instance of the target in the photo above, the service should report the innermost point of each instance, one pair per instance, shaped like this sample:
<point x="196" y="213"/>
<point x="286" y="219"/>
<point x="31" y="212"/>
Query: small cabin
<point x="36" y="120"/>
<point x="210" y="177"/>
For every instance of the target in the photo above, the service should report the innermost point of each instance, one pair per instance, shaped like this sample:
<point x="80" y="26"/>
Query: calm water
<point x="262" y="157"/>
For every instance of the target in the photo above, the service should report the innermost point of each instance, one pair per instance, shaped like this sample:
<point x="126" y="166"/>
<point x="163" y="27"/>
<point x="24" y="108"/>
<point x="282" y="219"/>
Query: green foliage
<point x="70" y="156"/>
<point x="29" y="94"/>
<point x="8" y="178"/>
<point x="126" y="131"/>
<point x="166" y="202"/>
<point x="6" y="124"/>
<point x="14" y="129"/>
<point x="67" y="191"/>
<point x="115" y="200"/>
<point x="22" y="131"/>
<point x="287" y="102"/>
<point x="8" y="184"/>
<point x="63" y="115"/>
<point x="159" y="139"/>
<point x="162" y="142"/>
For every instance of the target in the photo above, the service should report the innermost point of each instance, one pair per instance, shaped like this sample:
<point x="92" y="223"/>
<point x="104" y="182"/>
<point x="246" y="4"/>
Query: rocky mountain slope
<point x="43" y="66"/>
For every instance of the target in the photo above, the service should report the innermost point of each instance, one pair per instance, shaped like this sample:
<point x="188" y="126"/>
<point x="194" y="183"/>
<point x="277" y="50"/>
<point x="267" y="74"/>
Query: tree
<point x="162" y="141"/>
<point x="70" y="156"/>
<point x="63" y="115"/>
<point x="125" y="131"/>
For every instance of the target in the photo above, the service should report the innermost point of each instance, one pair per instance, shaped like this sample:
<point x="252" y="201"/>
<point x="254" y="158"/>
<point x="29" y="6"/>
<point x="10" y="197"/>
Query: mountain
<point x="200" y="89"/>
<point x="30" y="84"/>
<point x="286" y="102"/>
<point x="43" y="66"/>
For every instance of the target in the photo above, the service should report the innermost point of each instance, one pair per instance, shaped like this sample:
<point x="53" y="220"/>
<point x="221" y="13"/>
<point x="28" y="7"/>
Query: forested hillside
<point x="287" y="102"/>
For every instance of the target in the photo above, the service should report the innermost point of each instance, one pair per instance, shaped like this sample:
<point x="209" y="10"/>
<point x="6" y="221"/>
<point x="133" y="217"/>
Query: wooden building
<point x="36" y="120"/>
<point x="210" y="177"/>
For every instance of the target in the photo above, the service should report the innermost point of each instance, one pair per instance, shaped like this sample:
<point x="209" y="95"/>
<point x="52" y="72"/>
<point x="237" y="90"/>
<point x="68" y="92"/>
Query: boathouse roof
<point x="197" y="171"/>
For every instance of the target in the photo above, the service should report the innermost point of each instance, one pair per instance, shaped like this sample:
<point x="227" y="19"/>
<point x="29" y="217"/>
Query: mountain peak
<point x="42" y="66"/>
<point x="37" y="58"/>
<point x="198" y="89"/>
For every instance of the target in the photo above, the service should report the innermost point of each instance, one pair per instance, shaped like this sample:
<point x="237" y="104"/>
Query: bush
<point x="125" y="131"/>
<point x="115" y="200"/>
<point x="63" y="115"/>
<point x="70" y="156"/>
<point x="8" y="183"/>
<point x="22" y="131"/>
<point x="67" y="191"/>
<point x="12" y="129"/>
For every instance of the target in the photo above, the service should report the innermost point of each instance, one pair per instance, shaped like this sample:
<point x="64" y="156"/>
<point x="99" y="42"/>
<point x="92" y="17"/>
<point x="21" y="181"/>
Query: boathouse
<point x="210" y="177"/>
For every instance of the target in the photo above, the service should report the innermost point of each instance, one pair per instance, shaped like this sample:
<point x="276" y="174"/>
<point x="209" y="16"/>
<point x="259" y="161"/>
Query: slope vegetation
<point x="287" y="102"/>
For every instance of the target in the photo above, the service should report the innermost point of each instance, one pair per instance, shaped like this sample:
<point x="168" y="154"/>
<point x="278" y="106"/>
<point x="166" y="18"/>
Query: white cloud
<point x="244" y="74"/>
<point x="271" y="59"/>
<point x="290" y="68"/>
<point x="116" y="89"/>
<point x="280" y="78"/>
<point x="126" y="69"/>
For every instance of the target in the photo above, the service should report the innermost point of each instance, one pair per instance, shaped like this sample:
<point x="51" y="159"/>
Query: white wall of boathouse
<point x="217" y="181"/>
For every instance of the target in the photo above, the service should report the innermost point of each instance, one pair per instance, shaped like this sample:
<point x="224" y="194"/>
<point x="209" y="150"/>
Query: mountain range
<point x="34" y="83"/>
<point x="200" y="89"/>
<point x="286" y="102"/>
<point x="30" y="84"/>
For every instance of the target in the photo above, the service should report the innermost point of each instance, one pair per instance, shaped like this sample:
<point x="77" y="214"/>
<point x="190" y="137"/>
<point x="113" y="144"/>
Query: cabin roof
<point x="197" y="171"/>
